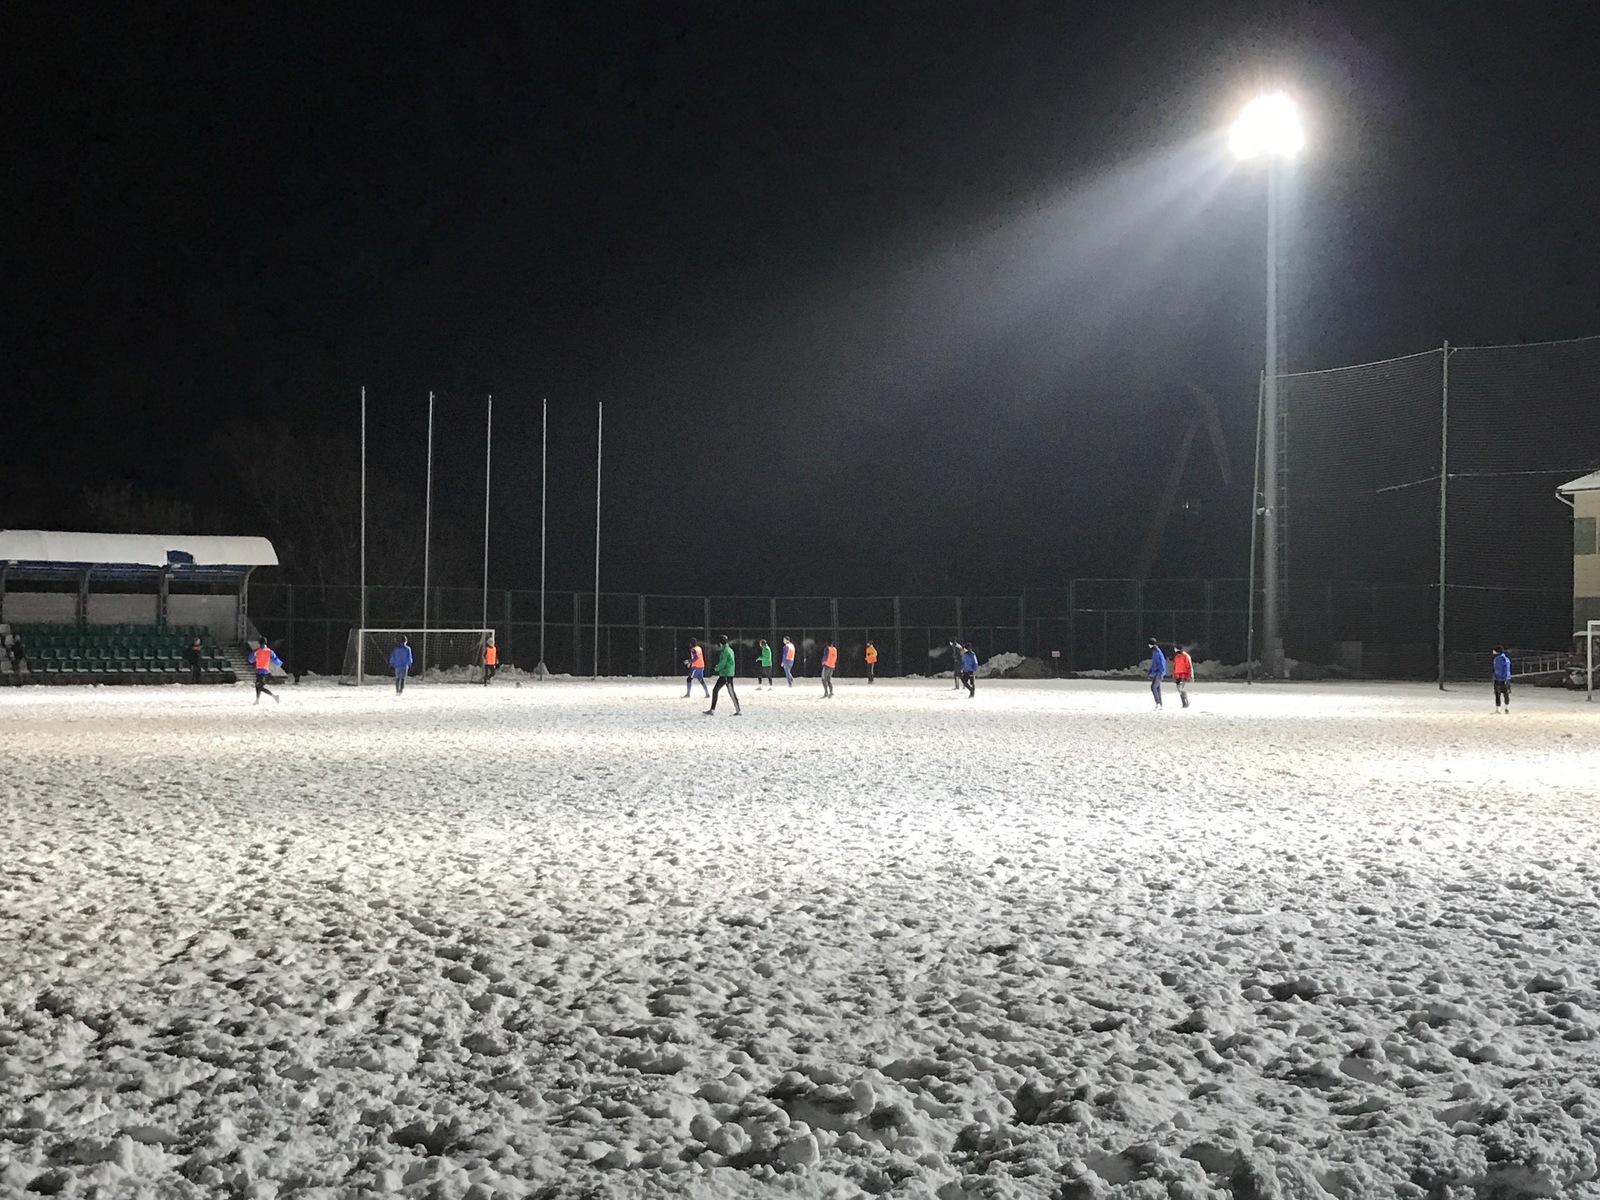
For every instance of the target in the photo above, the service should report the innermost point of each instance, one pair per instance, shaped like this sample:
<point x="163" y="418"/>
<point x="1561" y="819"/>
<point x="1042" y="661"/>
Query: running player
<point x="830" y="660"/>
<point x="264" y="659"/>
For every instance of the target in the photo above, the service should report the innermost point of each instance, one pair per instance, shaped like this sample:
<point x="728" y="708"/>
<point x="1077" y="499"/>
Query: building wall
<point x="1585" y="558"/>
<point x="40" y="608"/>
<point x="219" y="614"/>
<point x="123" y="609"/>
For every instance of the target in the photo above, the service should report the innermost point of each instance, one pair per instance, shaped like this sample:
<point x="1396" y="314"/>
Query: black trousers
<point x="968" y="681"/>
<point x="261" y="684"/>
<point x="1502" y="691"/>
<point x="724" y="681"/>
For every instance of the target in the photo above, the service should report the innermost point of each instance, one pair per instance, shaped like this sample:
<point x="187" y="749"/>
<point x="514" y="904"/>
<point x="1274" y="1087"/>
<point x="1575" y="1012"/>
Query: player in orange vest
<point x="491" y="660"/>
<point x="830" y="660"/>
<point x="263" y="659"/>
<point x="872" y="660"/>
<point x="787" y="658"/>
<point x="696" y="662"/>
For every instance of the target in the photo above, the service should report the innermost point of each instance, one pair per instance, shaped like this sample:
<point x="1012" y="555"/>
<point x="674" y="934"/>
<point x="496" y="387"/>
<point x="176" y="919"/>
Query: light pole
<point x="1270" y="127"/>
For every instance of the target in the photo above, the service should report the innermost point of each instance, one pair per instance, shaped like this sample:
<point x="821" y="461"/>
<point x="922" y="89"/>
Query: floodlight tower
<point x="1270" y="127"/>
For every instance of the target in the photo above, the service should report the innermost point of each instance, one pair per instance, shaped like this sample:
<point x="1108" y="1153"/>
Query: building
<point x="1583" y="496"/>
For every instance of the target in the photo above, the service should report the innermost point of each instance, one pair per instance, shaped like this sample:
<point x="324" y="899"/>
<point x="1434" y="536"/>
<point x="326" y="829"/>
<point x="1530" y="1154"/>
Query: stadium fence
<point x="1094" y="624"/>
<point x="1426" y="484"/>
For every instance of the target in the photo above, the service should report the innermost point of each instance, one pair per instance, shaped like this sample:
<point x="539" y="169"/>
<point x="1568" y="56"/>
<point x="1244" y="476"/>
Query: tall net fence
<point x="1089" y="624"/>
<point x="1434" y="475"/>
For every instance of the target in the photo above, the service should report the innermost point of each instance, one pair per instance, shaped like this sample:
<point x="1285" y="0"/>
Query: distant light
<point x="1269" y="125"/>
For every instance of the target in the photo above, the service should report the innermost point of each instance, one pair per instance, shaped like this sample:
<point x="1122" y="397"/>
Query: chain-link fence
<point x="1090" y="624"/>
<point x="1424" y="488"/>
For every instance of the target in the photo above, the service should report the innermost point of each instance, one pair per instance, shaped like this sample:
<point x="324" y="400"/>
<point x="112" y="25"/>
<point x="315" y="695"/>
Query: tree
<point x="123" y="507"/>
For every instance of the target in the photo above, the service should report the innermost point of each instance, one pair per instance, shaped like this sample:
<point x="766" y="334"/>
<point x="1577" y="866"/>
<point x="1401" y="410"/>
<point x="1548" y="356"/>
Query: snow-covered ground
<point x="580" y="940"/>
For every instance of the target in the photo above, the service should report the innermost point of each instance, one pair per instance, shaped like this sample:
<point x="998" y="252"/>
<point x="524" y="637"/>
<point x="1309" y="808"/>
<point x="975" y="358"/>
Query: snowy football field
<point x="577" y="939"/>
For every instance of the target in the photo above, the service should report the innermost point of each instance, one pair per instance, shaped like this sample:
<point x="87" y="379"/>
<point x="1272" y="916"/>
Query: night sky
<point x="879" y="298"/>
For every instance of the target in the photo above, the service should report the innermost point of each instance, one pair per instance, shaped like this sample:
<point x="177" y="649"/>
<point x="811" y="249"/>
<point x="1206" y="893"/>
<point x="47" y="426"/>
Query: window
<point x="1583" y="536"/>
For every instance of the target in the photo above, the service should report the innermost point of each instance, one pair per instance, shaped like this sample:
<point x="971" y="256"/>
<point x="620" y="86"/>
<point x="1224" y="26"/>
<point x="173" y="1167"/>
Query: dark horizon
<point x="895" y="300"/>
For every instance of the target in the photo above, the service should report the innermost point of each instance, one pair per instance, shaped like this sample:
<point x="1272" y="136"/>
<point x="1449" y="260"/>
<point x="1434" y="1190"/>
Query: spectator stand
<point x="122" y="608"/>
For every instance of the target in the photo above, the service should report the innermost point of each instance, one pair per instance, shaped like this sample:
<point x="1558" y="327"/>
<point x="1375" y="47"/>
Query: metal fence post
<point x="1255" y="518"/>
<point x="1210" y="605"/>
<point x="1072" y="625"/>
<point x="642" y="667"/>
<point x="1444" y="487"/>
<point x="1022" y="623"/>
<point x="961" y="632"/>
<point x="705" y="631"/>
<point x="833" y="616"/>
<point x="508" y="641"/>
<point x="577" y="631"/>
<point x="899" y="652"/>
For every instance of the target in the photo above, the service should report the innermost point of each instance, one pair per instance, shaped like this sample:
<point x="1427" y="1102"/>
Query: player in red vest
<point x="1182" y="672"/>
<point x="872" y="660"/>
<point x="830" y="660"/>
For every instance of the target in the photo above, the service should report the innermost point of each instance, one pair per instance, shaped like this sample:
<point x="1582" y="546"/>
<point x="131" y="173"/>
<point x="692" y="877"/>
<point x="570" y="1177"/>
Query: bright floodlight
<point x="1268" y="125"/>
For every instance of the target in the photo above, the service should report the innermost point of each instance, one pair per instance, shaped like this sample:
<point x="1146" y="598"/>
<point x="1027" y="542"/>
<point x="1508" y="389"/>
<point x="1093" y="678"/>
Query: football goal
<point x="438" y="655"/>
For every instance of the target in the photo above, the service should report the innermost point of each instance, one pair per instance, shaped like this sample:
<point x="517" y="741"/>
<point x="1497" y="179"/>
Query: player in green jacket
<point x="763" y="663"/>
<point x="724" y="673"/>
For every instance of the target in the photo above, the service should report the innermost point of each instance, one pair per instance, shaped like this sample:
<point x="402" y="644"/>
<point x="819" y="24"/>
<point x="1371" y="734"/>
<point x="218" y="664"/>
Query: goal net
<point x="438" y="655"/>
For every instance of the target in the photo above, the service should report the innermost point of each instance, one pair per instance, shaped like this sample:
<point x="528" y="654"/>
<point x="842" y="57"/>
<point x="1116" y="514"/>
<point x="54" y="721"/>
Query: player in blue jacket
<point x="400" y="659"/>
<point x="1502" y="679"/>
<point x="969" y="671"/>
<point x="1158" y="669"/>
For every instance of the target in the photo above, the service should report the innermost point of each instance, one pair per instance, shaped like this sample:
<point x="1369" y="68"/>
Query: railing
<point x="1088" y="624"/>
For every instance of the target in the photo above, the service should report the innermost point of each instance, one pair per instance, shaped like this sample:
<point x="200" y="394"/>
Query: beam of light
<point x="1075" y="260"/>
<point x="1270" y="124"/>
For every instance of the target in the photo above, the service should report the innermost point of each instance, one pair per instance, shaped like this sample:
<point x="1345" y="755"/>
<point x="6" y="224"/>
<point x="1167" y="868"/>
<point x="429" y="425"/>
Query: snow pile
<point x="999" y="664"/>
<point x="583" y="941"/>
<point x="1208" y="669"/>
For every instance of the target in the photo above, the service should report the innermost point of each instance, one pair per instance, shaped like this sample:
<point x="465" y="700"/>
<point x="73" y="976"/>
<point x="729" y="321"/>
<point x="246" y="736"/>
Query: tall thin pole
<point x="427" y="537"/>
<point x="488" y="443"/>
<point x="1444" y="489"/>
<point x="544" y="484"/>
<point x="361" y="635"/>
<point x="1255" y="516"/>
<point x="1270" y="617"/>
<point x="599" y="436"/>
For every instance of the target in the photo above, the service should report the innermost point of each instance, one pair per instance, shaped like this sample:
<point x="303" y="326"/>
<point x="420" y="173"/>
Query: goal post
<point x="438" y="655"/>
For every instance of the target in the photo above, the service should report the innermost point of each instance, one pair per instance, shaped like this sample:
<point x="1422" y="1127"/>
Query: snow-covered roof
<point x="134" y="549"/>
<point x="1584" y="483"/>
